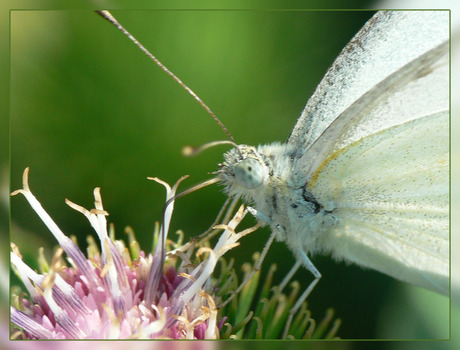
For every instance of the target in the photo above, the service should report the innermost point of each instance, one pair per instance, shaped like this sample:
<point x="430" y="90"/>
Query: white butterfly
<point x="364" y="174"/>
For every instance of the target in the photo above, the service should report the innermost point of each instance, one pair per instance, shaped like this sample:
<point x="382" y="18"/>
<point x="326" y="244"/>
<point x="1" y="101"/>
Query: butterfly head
<point x="243" y="170"/>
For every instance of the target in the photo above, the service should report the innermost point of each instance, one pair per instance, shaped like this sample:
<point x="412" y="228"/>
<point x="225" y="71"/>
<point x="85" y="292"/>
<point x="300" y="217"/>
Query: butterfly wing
<point x="391" y="196"/>
<point x="383" y="167"/>
<point x="418" y="89"/>
<point x="386" y="43"/>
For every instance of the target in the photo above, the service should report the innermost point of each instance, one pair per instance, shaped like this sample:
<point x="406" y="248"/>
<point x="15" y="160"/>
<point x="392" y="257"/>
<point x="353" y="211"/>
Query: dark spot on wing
<point x="308" y="197"/>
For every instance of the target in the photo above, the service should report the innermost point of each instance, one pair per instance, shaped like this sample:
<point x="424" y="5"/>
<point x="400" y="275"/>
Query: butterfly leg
<point x="305" y="261"/>
<point x="289" y="275"/>
<point x="258" y="215"/>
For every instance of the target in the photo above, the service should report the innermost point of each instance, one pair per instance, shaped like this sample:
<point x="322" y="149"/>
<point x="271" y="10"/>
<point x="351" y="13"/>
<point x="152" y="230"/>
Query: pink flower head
<point x="113" y="294"/>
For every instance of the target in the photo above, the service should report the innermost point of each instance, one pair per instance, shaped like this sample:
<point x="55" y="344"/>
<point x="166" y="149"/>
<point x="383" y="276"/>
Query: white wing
<point x="418" y="89"/>
<point x="391" y="192"/>
<point x="387" y="42"/>
<point x="383" y="164"/>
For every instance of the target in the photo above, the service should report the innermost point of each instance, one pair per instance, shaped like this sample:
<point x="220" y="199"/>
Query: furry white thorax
<point x="282" y="197"/>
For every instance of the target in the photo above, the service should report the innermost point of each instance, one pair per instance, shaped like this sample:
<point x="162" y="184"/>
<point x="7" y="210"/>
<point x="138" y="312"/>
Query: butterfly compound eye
<point x="249" y="173"/>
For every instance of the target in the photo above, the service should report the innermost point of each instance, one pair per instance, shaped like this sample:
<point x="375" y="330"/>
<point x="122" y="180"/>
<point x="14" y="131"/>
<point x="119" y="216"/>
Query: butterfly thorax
<point x="266" y="179"/>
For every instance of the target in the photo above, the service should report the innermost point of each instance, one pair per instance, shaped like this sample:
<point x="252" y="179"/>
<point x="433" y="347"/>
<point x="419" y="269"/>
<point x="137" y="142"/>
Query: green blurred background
<point x="89" y="109"/>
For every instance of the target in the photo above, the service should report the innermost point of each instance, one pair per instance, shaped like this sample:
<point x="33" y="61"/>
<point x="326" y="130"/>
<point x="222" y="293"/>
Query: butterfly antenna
<point x="189" y="151"/>
<point x="109" y="17"/>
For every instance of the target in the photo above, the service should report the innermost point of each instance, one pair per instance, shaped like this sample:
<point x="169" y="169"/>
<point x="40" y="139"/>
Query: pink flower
<point x="115" y="294"/>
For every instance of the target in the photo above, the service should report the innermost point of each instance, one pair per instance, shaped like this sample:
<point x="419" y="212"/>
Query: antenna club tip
<point x="188" y="151"/>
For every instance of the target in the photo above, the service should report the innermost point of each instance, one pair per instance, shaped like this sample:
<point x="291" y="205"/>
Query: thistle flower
<point x="115" y="294"/>
<point x="120" y="292"/>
